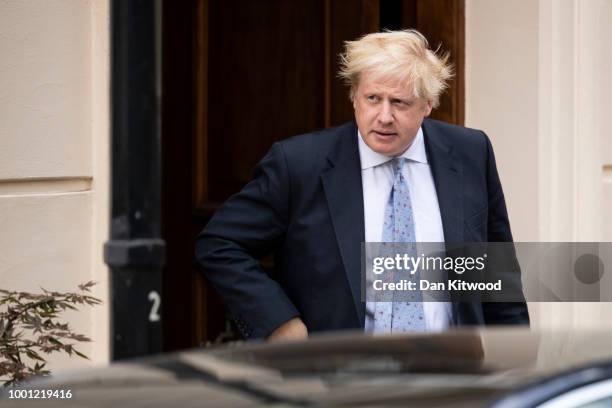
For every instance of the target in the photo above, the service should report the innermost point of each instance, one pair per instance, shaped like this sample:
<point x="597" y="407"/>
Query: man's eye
<point x="372" y="98"/>
<point x="401" y="103"/>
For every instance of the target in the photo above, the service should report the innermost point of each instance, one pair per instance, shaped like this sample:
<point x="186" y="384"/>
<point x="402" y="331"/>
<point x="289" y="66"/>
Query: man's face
<point x="388" y="115"/>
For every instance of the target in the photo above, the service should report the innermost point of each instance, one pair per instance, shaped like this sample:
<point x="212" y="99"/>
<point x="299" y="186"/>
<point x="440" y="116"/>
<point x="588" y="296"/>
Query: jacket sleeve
<point x="498" y="230"/>
<point x="247" y="227"/>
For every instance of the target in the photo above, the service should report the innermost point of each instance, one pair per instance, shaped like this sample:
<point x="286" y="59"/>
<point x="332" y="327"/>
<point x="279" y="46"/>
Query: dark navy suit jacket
<point x="305" y="205"/>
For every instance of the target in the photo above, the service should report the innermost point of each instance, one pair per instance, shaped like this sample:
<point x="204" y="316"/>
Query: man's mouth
<point x="383" y="133"/>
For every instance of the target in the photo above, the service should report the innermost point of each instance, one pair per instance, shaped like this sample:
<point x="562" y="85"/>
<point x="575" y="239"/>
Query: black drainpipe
<point x="135" y="252"/>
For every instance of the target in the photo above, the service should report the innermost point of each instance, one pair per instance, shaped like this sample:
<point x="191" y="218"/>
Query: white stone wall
<point x="538" y="81"/>
<point x="54" y="160"/>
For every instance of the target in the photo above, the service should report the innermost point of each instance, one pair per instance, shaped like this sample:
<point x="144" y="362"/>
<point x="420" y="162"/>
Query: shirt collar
<point x="370" y="158"/>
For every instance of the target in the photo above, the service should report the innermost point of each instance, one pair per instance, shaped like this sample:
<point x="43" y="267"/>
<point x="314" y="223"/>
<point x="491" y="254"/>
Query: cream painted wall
<point x="537" y="80"/>
<point x="604" y="102"/>
<point x="54" y="159"/>
<point x="501" y="98"/>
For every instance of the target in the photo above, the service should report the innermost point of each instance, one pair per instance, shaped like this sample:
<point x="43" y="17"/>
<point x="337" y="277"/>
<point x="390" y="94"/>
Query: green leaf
<point x="34" y="355"/>
<point x="55" y="341"/>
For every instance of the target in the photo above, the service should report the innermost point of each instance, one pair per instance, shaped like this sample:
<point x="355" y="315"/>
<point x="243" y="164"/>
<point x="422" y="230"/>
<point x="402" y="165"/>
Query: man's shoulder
<point x="459" y="137"/>
<point x="452" y="131"/>
<point x="321" y="139"/>
<point x="314" y="147"/>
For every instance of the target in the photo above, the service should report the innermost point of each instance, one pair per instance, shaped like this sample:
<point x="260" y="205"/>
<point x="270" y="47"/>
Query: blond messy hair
<point x="398" y="55"/>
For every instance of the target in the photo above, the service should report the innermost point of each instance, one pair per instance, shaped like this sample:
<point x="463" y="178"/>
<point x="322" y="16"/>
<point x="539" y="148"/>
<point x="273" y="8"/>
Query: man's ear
<point x="428" y="108"/>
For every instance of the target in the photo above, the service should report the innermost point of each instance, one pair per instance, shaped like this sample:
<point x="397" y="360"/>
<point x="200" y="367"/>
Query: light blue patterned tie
<point x="399" y="316"/>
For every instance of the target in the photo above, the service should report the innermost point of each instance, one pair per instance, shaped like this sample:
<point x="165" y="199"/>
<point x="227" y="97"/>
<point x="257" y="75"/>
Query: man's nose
<point x="385" y="115"/>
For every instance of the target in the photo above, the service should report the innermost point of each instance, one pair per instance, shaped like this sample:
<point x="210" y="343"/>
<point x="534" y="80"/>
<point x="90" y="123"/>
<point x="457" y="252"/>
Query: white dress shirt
<point x="377" y="179"/>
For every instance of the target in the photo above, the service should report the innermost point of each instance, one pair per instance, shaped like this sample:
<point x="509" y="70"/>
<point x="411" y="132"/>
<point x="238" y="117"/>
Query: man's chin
<point x="385" y="146"/>
<point x="387" y="150"/>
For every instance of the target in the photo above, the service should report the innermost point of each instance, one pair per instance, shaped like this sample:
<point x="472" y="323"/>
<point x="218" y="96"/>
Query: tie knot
<point x="398" y="164"/>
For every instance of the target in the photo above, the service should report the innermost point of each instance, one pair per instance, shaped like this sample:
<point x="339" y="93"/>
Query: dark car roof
<point x="454" y="368"/>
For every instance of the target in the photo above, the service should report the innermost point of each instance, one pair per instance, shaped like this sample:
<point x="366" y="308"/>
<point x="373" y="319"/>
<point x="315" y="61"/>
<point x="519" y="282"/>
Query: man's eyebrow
<point x="401" y="99"/>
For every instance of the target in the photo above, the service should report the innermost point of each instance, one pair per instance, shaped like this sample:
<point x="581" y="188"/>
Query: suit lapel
<point x="447" y="172"/>
<point x="448" y="179"/>
<point x="344" y="192"/>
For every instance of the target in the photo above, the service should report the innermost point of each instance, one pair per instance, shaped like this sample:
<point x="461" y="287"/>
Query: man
<point x="315" y="197"/>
